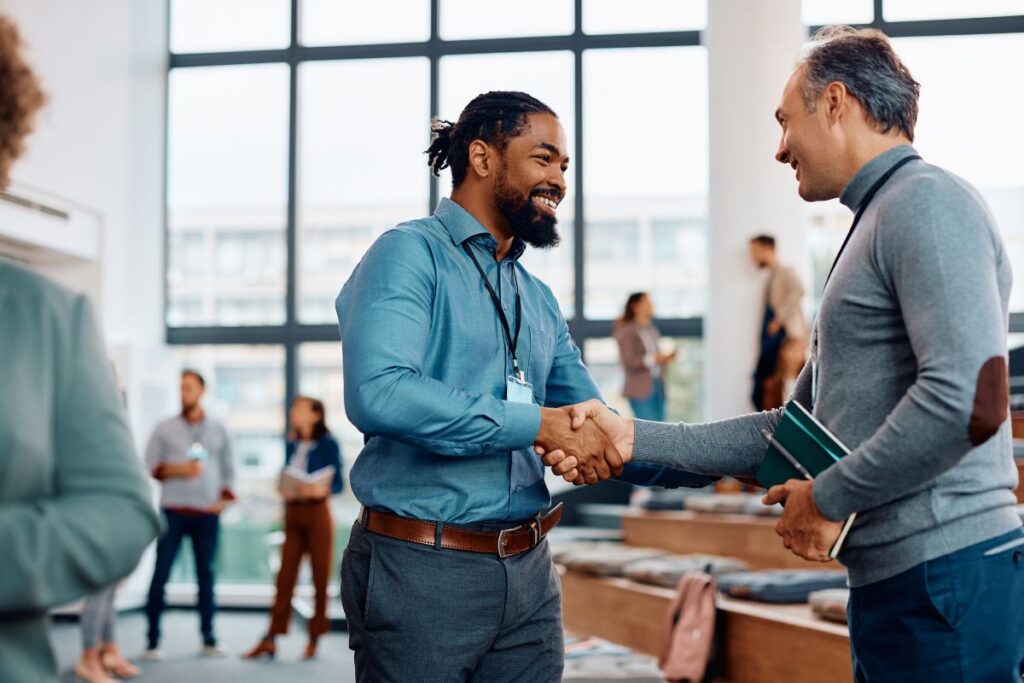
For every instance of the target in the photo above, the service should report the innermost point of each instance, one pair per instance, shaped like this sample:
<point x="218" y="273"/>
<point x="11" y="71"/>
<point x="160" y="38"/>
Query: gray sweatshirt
<point x="170" y="443"/>
<point x="911" y="357"/>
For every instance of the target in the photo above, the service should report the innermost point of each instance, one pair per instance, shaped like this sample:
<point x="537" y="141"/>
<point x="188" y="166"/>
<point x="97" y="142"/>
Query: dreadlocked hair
<point x="494" y="117"/>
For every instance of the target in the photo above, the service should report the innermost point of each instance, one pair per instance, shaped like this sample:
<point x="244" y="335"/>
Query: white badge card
<point x="197" y="452"/>
<point x="518" y="390"/>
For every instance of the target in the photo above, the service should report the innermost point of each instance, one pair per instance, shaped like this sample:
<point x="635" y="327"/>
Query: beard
<point x="527" y="222"/>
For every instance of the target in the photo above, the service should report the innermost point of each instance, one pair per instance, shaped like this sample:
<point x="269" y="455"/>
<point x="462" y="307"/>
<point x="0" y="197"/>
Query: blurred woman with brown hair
<point x="642" y="360"/>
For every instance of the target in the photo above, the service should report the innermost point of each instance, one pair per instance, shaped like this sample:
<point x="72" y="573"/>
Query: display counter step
<point x="757" y="642"/>
<point x="747" y="537"/>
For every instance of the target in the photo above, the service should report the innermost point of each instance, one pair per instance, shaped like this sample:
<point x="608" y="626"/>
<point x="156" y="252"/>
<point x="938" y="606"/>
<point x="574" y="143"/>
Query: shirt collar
<point x="854" y="192"/>
<point x="462" y="226"/>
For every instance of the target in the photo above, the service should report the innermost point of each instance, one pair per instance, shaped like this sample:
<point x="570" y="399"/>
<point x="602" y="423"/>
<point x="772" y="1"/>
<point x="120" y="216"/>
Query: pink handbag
<point x="689" y="629"/>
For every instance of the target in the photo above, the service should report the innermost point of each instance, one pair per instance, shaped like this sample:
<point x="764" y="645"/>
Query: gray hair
<point x="864" y="61"/>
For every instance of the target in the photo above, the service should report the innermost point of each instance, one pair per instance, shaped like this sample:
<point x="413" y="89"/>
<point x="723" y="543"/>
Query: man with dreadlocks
<point x="456" y="361"/>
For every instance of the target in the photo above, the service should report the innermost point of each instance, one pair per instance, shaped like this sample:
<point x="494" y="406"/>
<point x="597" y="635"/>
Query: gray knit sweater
<point x="911" y="348"/>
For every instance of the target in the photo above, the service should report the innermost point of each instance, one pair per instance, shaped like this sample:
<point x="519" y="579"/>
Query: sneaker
<point x="152" y="655"/>
<point x="212" y="651"/>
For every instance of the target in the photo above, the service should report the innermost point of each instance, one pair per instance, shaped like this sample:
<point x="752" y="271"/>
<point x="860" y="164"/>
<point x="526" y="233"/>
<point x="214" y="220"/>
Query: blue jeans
<point x="422" y="613"/>
<point x="652" y="407"/>
<point x="959" y="618"/>
<point x="203" y="530"/>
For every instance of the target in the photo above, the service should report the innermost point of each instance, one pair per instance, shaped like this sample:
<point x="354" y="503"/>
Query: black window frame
<point x="292" y="333"/>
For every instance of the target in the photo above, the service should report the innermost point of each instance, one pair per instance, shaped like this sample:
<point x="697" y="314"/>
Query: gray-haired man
<point x="909" y="370"/>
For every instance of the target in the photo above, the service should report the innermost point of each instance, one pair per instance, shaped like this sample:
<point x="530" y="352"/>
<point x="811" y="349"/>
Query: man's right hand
<point x="594" y="455"/>
<point x="618" y="430"/>
<point x="189" y="469"/>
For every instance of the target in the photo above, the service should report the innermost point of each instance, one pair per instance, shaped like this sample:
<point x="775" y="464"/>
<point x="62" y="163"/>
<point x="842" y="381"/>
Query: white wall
<point x="752" y="47"/>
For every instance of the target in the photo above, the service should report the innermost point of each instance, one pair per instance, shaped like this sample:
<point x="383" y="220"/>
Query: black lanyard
<point x="872" y="191"/>
<point x="513" y="341"/>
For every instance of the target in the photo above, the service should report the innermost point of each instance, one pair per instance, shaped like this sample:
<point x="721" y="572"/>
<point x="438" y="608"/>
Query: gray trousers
<point x="419" y="613"/>
<point x="98" y="616"/>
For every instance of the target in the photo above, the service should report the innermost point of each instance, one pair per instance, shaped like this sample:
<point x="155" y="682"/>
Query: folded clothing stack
<point x="657" y="498"/>
<point x="732" y="503"/>
<point x="780" y="586"/>
<point x="592" y="660"/>
<point x="606" y="559"/>
<point x="561" y="550"/>
<point x="830" y="604"/>
<point x="666" y="571"/>
<point x="735" y="503"/>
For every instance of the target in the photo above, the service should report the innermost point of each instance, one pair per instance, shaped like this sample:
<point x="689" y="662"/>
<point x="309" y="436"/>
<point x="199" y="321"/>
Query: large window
<point x="297" y="138"/>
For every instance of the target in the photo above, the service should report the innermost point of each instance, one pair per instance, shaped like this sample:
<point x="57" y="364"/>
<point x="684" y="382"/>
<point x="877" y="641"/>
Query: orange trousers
<point x="308" y="528"/>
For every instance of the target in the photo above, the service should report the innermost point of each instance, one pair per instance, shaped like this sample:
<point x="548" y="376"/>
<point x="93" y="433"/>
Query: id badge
<point x="518" y="390"/>
<point x="197" y="452"/>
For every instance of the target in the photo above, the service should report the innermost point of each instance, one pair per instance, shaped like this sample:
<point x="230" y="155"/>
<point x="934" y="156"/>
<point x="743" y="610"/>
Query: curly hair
<point x="20" y="98"/>
<point x="493" y="117"/>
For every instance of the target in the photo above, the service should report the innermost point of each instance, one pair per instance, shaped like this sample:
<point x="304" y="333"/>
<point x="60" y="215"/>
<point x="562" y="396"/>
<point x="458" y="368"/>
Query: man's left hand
<point x="803" y="528"/>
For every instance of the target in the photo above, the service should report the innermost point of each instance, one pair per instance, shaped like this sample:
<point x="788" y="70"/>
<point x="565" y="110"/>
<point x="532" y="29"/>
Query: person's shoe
<point x="265" y="648"/>
<point x="213" y="652"/>
<point x="310" y="651"/>
<point x="116" y="663"/>
<point x="121" y="666"/>
<point x="91" y="673"/>
<point x="152" y="655"/>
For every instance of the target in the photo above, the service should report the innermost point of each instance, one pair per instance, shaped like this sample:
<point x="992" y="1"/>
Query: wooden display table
<point x="757" y="642"/>
<point x="752" y="539"/>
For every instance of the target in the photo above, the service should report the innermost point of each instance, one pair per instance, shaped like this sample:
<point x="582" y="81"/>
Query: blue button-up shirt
<point x="426" y="362"/>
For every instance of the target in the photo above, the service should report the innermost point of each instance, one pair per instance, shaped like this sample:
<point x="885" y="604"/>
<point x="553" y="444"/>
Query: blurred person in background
<point x="75" y="514"/>
<point x="101" y="655"/>
<point x="190" y="455"/>
<point x="308" y="526"/>
<point x="783" y="316"/>
<point x="644" y="363"/>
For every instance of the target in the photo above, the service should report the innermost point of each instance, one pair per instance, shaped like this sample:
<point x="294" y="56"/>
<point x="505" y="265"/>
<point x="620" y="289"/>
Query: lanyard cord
<point x="513" y="341"/>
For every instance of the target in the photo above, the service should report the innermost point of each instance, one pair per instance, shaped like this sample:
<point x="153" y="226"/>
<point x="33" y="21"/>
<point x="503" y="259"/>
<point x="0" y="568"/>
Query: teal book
<point x="802" y="448"/>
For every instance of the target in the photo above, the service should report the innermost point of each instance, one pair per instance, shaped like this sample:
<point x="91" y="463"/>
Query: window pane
<point x="989" y="156"/>
<point x="228" y="25"/>
<point x="646" y="183"/>
<point x="245" y="389"/>
<point x="827" y="225"/>
<point x="320" y="376"/>
<point x="642" y="16"/>
<point x="462" y="19"/>
<point x="227" y="195"/>
<point x="361" y="167"/>
<point x="340" y="22"/>
<point x="684" y="383"/>
<point x="548" y="76"/>
<point x="825" y="12"/>
<point x="910" y="10"/>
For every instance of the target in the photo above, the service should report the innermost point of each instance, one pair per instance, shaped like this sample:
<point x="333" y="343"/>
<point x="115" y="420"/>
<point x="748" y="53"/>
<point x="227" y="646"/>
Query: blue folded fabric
<point x="780" y="586"/>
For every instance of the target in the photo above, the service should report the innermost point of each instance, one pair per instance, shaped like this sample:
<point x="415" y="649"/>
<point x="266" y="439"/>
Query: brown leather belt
<point x="504" y="543"/>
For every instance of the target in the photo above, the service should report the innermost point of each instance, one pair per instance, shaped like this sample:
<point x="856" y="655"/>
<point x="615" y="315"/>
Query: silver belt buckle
<point x="501" y="542"/>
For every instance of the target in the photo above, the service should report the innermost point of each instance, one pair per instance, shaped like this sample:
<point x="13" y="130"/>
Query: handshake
<point x="584" y="443"/>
